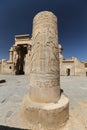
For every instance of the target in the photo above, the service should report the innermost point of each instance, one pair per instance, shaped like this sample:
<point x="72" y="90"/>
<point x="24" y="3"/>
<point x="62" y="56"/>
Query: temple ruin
<point x="20" y="55"/>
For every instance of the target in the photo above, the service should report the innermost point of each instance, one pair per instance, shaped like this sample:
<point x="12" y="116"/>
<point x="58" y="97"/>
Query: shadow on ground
<point x="9" y="128"/>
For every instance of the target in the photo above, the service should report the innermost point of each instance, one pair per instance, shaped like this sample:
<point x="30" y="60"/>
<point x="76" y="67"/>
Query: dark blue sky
<point x="16" y="18"/>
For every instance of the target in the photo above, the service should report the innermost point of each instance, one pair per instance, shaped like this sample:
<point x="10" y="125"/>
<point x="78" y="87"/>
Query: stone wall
<point x="72" y="67"/>
<point x="6" y="67"/>
<point x="67" y="68"/>
<point x="79" y="68"/>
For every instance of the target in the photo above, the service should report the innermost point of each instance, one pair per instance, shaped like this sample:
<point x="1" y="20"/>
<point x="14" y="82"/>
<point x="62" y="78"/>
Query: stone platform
<point x="48" y="115"/>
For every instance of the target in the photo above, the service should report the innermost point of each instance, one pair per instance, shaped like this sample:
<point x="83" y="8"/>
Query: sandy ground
<point x="15" y="87"/>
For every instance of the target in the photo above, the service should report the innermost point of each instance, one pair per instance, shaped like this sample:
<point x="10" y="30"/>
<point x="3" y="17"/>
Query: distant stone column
<point x="11" y="54"/>
<point x="44" y="75"/>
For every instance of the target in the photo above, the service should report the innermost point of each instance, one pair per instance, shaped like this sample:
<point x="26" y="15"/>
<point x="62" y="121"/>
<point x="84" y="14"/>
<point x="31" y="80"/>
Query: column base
<point x="48" y="115"/>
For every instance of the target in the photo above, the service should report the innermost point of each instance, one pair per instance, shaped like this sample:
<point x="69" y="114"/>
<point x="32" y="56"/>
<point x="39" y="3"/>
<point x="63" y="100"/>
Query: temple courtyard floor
<point x="13" y="90"/>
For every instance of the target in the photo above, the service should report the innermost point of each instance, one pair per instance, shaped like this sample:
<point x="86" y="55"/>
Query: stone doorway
<point x="21" y="51"/>
<point x="68" y="72"/>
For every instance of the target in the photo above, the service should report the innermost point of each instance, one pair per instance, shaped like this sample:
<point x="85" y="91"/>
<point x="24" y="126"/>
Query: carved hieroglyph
<point x="44" y="75"/>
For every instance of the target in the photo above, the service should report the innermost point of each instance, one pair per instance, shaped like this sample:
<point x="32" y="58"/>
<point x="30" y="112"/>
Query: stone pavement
<point x="15" y="87"/>
<point x="76" y="89"/>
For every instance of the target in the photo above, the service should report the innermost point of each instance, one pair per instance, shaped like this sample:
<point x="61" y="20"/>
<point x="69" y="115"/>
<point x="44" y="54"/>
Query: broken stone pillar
<point x="45" y="104"/>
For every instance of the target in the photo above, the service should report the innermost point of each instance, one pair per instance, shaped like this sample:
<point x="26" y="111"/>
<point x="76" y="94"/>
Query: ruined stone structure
<point x="19" y="57"/>
<point x="71" y="66"/>
<point x="20" y="54"/>
<point x="45" y="105"/>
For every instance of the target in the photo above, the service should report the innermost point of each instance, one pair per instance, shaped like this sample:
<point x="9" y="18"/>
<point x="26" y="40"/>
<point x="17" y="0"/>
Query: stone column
<point x="11" y="54"/>
<point x="44" y="75"/>
<point x="15" y="58"/>
<point x="45" y="107"/>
